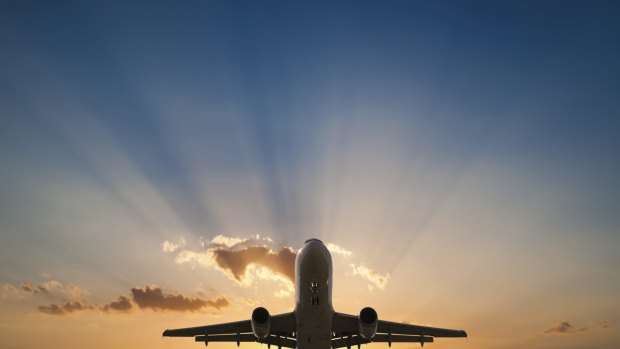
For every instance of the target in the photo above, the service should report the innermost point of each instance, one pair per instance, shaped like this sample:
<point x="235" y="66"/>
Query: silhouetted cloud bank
<point x="147" y="297"/>
<point x="66" y="308"/>
<point x="565" y="327"/>
<point x="153" y="297"/>
<point x="122" y="304"/>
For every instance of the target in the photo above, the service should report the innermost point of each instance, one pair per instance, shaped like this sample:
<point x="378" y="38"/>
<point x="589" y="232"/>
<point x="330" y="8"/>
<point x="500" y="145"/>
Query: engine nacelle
<point x="260" y="323"/>
<point x="368" y="321"/>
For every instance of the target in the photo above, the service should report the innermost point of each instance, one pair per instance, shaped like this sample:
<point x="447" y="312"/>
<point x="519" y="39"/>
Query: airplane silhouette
<point x="314" y="324"/>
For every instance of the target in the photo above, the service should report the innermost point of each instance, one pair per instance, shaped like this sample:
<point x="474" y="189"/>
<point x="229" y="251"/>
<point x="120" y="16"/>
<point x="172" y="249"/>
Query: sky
<point x="162" y="162"/>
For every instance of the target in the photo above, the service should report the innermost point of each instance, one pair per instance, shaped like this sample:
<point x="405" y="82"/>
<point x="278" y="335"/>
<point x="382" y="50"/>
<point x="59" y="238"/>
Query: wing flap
<point x="248" y="337"/>
<point x="242" y="337"/>
<point x="397" y="338"/>
<point x="400" y="328"/>
<point x="280" y="342"/>
<point x="351" y="341"/>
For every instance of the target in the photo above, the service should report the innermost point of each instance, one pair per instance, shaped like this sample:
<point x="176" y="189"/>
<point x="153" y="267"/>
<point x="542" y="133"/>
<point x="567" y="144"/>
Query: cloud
<point x="9" y="290"/>
<point x="603" y="324"/>
<point x="561" y="327"/>
<point x="227" y="240"/>
<point x="48" y="286"/>
<point x="51" y="288"/>
<point x="66" y="308"/>
<point x="237" y="261"/>
<point x="26" y="286"/>
<point x="147" y="297"/>
<point x="72" y="299"/>
<point x="52" y="309"/>
<point x="169" y="246"/>
<point x="249" y="264"/>
<point x="565" y="327"/>
<point x="153" y="297"/>
<point x="335" y="249"/>
<point x="122" y="304"/>
<point x="374" y="278"/>
<point x="231" y="242"/>
<point x="75" y="291"/>
<point x="245" y="260"/>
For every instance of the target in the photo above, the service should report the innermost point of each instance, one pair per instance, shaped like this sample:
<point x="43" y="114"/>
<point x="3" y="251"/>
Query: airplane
<point x="314" y="324"/>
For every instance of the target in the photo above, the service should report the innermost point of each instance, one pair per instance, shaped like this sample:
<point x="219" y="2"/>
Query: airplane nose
<point x="314" y="250"/>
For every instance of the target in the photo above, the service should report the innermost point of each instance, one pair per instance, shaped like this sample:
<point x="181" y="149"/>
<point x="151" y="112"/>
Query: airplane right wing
<point x="347" y="332"/>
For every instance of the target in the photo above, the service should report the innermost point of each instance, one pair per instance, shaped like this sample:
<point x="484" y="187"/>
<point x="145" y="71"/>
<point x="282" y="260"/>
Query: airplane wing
<point x="346" y="329"/>
<point x="282" y="327"/>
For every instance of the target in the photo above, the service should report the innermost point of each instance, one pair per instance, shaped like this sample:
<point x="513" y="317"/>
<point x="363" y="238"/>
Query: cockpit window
<point x="313" y="239"/>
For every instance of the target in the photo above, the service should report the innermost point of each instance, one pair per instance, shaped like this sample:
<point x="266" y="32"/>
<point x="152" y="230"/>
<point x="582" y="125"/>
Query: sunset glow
<point x="162" y="164"/>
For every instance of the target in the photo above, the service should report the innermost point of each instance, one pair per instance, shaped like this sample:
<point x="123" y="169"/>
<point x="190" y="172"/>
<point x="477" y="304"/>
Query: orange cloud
<point x="9" y="291"/>
<point x="148" y="297"/>
<point x="48" y="286"/>
<point x="245" y="260"/>
<point x="26" y="286"/>
<point x="153" y="297"/>
<point x="122" y="304"/>
<point x="66" y="308"/>
<point x="565" y="327"/>
<point x="561" y="327"/>
<point x="374" y="278"/>
<point x="237" y="261"/>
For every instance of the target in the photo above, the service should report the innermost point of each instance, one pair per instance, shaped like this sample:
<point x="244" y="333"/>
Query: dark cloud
<point x="153" y="297"/>
<point x="603" y="324"/>
<point x="566" y="327"/>
<point x="72" y="306"/>
<point x="66" y="308"/>
<point x="237" y="261"/>
<point x="26" y="286"/>
<point x="52" y="309"/>
<point x="149" y="297"/>
<point x="122" y="304"/>
<point x="562" y="327"/>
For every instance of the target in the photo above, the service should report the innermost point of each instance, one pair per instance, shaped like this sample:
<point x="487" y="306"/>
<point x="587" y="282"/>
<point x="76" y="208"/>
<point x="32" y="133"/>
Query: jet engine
<point x="368" y="321"/>
<point x="260" y="323"/>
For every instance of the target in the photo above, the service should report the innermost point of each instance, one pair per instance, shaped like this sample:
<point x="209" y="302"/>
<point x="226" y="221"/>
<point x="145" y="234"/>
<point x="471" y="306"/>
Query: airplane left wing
<point x="282" y="327"/>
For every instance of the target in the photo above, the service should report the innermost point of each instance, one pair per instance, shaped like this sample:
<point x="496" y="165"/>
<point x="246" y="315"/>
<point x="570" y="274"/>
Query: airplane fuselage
<point x="313" y="296"/>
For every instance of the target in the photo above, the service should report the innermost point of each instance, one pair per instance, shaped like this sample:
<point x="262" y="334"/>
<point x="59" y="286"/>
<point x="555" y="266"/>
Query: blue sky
<point x="488" y="130"/>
